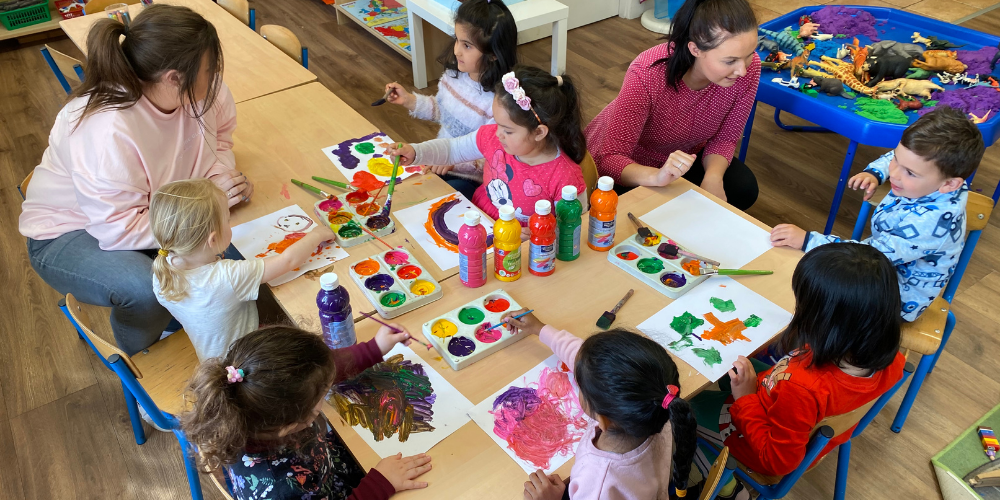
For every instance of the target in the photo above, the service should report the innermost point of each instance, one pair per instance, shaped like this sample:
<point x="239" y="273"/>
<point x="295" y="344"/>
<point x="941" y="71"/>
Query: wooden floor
<point x="64" y="431"/>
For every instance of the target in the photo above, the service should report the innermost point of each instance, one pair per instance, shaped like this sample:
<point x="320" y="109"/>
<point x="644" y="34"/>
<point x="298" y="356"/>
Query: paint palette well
<point x="663" y="275"/>
<point x="459" y="335"/>
<point x="395" y="282"/>
<point x="346" y="215"/>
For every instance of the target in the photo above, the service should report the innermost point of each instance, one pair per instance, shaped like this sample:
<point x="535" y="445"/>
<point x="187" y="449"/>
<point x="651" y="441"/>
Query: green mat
<point x="962" y="456"/>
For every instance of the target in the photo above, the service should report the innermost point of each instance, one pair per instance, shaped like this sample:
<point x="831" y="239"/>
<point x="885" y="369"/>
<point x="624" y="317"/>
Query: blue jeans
<point x="122" y="280"/>
<point x="462" y="185"/>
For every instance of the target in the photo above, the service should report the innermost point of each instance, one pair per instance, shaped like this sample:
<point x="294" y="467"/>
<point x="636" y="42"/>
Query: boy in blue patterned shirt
<point x="920" y="225"/>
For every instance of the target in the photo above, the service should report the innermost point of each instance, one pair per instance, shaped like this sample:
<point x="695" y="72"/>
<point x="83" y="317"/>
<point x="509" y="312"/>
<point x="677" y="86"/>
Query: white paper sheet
<point x="698" y="302"/>
<point x="374" y="162"/>
<point x="449" y="413"/>
<point x="708" y="229"/>
<point x="566" y="404"/>
<point x="252" y="240"/>
<point x="415" y="218"/>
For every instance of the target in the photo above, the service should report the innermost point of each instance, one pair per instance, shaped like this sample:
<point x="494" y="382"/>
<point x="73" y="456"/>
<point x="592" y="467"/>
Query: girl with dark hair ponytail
<point x="641" y="442"/>
<point x="683" y="106"/>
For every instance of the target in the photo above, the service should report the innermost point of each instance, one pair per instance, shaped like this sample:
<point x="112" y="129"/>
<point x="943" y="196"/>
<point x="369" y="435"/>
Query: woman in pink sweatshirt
<point x="641" y="437"/>
<point x="151" y="110"/>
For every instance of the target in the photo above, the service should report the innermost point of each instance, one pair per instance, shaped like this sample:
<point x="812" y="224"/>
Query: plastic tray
<point x="395" y="283"/>
<point x="346" y="215"/>
<point x="455" y="333"/>
<point x="641" y="261"/>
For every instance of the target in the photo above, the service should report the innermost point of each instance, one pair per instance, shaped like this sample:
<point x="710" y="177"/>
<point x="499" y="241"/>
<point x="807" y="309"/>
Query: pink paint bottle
<point x="472" y="251"/>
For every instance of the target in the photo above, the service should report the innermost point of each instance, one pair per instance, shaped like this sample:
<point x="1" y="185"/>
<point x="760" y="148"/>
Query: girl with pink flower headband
<point x="532" y="152"/>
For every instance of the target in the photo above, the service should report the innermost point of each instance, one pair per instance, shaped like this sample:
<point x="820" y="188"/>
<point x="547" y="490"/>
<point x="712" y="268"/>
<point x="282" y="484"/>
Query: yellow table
<point x="468" y="464"/>
<point x="280" y="137"/>
<point x="253" y="67"/>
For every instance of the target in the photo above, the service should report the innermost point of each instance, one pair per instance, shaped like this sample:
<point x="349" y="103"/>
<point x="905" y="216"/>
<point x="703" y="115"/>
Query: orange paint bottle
<point x="603" y="210"/>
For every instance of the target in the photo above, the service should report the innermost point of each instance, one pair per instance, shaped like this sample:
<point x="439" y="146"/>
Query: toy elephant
<point x="892" y="47"/>
<point x="886" y="67"/>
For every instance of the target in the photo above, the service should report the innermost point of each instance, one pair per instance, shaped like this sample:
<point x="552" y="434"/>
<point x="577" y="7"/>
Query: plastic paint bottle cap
<point x="605" y="183"/>
<point x="569" y="192"/>
<point x="329" y="281"/>
<point x="472" y="218"/>
<point x="507" y="212"/>
<point x="543" y="207"/>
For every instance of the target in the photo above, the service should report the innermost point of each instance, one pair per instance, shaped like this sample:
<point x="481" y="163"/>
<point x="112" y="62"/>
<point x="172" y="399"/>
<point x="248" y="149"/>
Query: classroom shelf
<point x="342" y="11"/>
<point x="34" y="28"/>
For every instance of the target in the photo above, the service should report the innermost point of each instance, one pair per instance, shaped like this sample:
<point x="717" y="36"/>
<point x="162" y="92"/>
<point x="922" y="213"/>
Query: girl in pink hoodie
<point x="641" y="438"/>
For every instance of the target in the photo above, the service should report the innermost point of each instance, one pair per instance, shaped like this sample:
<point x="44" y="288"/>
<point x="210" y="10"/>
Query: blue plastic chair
<point x="930" y="332"/>
<point x="135" y="394"/>
<point x="60" y="64"/>
<point x="825" y="431"/>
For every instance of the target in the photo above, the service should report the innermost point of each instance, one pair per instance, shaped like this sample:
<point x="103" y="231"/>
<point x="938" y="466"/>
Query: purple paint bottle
<point x="335" y="313"/>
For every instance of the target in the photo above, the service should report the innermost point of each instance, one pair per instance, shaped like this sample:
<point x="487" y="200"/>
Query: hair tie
<point x="234" y="375"/>
<point x="163" y="252"/>
<point x="558" y="81"/>
<point x="672" y="391"/>
<point x="513" y="87"/>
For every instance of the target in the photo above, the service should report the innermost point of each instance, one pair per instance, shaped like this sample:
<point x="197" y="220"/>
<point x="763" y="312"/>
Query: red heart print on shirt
<point x="531" y="189"/>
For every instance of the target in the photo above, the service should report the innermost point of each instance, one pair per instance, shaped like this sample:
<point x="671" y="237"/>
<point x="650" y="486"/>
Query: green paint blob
<point x="753" y="321"/>
<point x="650" y="266"/>
<point x="685" y="341"/>
<point x="471" y="316"/>
<point x="350" y="230"/>
<point x="686" y="323"/>
<point x="880" y="111"/>
<point x="711" y="357"/>
<point x="392" y="299"/>
<point x="722" y="305"/>
<point x="365" y="148"/>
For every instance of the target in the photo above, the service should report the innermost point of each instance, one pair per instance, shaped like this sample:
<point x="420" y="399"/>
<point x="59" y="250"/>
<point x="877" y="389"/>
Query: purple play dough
<point x="840" y="20"/>
<point x="975" y="100"/>
<point x="978" y="61"/>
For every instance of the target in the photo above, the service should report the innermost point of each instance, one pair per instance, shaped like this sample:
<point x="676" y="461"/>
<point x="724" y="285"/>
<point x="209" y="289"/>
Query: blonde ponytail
<point x="182" y="216"/>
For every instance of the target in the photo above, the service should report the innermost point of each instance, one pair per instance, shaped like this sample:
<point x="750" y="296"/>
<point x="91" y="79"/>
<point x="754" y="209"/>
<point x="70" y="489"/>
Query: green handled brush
<point x="731" y="272"/>
<point x="341" y="185"/>
<point x="392" y="185"/>
<point x="310" y="187"/>
<point x="604" y="322"/>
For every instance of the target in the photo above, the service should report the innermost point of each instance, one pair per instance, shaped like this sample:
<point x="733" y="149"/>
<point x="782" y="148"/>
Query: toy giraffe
<point x="844" y="72"/>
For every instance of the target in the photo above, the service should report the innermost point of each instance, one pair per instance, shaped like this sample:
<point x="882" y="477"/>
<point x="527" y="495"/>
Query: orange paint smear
<point x="366" y="267"/>
<point x="725" y="333"/>
<point x="693" y="267"/>
<point x="339" y="218"/>
<point x="368" y="208"/>
<point x="429" y="225"/>
<point x="281" y="246"/>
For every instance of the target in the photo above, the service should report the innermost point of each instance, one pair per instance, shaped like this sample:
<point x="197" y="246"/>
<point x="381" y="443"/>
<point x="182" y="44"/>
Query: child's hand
<point x="865" y="181"/>
<point x="404" y="151"/>
<point x="788" y="235"/>
<point x="401" y="471"/>
<point x="743" y="377"/>
<point x="439" y="169"/>
<point x="385" y="338"/>
<point x="325" y="232"/>
<point x="525" y="234"/>
<point x="542" y="487"/>
<point x="399" y="95"/>
<point x="527" y="324"/>
<point x="677" y="164"/>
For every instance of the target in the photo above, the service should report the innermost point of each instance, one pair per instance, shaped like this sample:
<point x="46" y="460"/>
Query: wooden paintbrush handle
<point x="622" y="302"/>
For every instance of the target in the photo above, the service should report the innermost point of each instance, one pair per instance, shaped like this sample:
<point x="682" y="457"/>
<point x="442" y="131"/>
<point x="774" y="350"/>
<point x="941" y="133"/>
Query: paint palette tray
<point x="459" y="335"/>
<point x="347" y="213"/>
<point x="395" y="282"/>
<point x="663" y="275"/>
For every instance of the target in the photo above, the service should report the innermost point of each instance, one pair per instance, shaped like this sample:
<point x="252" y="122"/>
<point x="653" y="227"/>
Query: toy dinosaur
<point x="919" y="74"/>
<point x="844" y="72"/>
<point x="906" y="86"/>
<point x="919" y="39"/>
<point x="786" y="40"/>
<point x="886" y="67"/>
<point x="938" y="63"/>
<point x="908" y="104"/>
<point x="892" y="47"/>
<point x="831" y="86"/>
<point x="936" y="43"/>
<point x="979" y="119"/>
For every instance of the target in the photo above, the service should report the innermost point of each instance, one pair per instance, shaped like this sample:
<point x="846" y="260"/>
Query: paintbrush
<point x="310" y="187"/>
<point x="643" y="230"/>
<point x="667" y="250"/>
<point x="341" y="185"/>
<point x="529" y="311"/>
<point x="392" y="184"/>
<point x="384" y="98"/>
<point x="394" y="329"/>
<point x="365" y="229"/>
<point x="604" y="322"/>
<point x="709" y="271"/>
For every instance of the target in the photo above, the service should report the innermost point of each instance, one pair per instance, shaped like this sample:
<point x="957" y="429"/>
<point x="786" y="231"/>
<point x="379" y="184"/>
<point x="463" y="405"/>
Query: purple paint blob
<point x="376" y="155"/>
<point x="377" y="222"/>
<point x="840" y="20"/>
<point x="978" y="61"/>
<point x="673" y="280"/>
<point x="461" y="346"/>
<point x="379" y="282"/>
<point x="523" y="400"/>
<point x="975" y="100"/>
<point x="438" y="220"/>
<point x="344" y="154"/>
<point x="331" y="205"/>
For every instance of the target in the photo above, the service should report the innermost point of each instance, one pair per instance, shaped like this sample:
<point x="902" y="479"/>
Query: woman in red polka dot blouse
<point x="682" y="113"/>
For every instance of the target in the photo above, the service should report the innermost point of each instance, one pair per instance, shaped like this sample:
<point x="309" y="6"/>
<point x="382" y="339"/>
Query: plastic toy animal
<point x="908" y="104"/>
<point x="886" y="95"/>
<point x="961" y="78"/>
<point x="822" y="37"/>
<point x="831" y="86"/>
<point x="786" y="40"/>
<point x="919" y="39"/>
<point x="935" y="43"/>
<point x="979" y="119"/>
<point x="774" y="65"/>
<point x="769" y="46"/>
<point x="887" y="67"/>
<point x="906" y="86"/>
<point x="940" y="53"/>
<point x="844" y="72"/>
<point x="919" y="74"/>
<point x="858" y="56"/>
<point x="892" y="47"/>
<point x="938" y="63"/>
<point x="797" y="63"/>
<point x="793" y="83"/>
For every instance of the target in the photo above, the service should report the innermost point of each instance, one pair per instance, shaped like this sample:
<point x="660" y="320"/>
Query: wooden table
<point x="253" y="67"/>
<point x="468" y="464"/>
<point x="280" y="137"/>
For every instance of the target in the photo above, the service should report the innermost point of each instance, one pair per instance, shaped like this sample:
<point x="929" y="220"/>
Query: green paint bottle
<point x="569" y="214"/>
